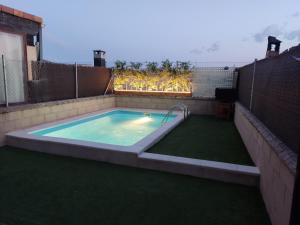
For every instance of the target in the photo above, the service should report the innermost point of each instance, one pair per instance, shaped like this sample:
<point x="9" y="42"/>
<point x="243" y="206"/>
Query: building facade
<point x="20" y="44"/>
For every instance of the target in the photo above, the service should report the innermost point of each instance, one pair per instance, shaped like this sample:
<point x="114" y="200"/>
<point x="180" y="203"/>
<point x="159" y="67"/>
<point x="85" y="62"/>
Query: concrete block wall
<point x="196" y="105"/>
<point x="19" y="117"/>
<point x="24" y="116"/>
<point x="276" y="162"/>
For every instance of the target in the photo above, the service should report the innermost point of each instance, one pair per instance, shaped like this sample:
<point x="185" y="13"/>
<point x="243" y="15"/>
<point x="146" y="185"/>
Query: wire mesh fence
<point x="47" y="81"/>
<point x="192" y="64"/>
<point x="205" y="80"/>
<point x="179" y="78"/>
<point x="2" y="84"/>
<point x="22" y="82"/>
<point x="12" y="84"/>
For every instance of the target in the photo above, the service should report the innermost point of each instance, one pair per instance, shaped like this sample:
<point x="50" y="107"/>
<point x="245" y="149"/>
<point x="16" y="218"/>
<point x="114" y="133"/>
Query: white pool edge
<point x="135" y="155"/>
<point x="137" y="148"/>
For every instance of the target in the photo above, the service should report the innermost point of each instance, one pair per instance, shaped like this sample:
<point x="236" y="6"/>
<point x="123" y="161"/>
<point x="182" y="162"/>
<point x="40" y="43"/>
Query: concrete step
<point x="227" y="172"/>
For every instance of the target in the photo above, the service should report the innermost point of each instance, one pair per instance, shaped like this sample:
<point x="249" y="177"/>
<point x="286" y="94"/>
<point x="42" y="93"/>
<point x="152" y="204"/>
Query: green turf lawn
<point x="205" y="137"/>
<point x="41" y="189"/>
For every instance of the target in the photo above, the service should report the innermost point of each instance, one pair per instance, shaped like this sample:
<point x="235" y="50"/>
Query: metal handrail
<point x="179" y="105"/>
<point x="185" y="109"/>
<point x="108" y="85"/>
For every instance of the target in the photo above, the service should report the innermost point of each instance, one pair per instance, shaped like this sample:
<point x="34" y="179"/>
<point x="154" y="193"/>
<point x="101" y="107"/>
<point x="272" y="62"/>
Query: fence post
<point x="76" y="81"/>
<point x="252" y="85"/>
<point x="5" y="80"/>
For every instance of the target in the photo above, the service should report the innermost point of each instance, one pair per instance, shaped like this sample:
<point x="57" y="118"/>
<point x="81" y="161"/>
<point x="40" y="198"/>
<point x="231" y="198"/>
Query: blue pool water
<point x="117" y="127"/>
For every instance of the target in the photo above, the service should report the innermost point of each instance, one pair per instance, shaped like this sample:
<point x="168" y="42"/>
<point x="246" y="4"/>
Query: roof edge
<point x="21" y="14"/>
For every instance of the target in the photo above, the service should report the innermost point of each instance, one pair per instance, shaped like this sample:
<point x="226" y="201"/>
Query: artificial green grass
<point x="41" y="189"/>
<point x="205" y="137"/>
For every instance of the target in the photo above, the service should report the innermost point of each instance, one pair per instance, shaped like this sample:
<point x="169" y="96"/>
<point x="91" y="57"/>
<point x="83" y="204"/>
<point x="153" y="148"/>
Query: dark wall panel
<point x="53" y="81"/>
<point x="92" y="81"/>
<point x="276" y="94"/>
<point x="18" y="24"/>
<point x="244" y="84"/>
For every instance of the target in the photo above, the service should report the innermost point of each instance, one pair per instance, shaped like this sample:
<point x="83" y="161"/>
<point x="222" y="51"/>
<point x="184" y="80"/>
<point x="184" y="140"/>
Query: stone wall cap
<point x="284" y="153"/>
<point x="26" y="106"/>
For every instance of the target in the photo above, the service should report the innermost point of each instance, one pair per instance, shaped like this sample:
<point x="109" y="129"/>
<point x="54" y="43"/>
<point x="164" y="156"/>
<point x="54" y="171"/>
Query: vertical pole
<point x="5" y="80"/>
<point x="252" y="85"/>
<point x="295" y="215"/>
<point x="76" y="81"/>
<point x="40" y="40"/>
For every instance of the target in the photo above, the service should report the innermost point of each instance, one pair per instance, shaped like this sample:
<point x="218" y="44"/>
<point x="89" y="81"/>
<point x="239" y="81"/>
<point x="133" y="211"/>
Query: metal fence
<point x="270" y="89"/>
<point x="47" y="81"/>
<point x="205" y="80"/>
<point x="22" y="82"/>
<point x="3" y="90"/>
<point x="12" y="84"/>
<point x="53" y="81"/>
<point x="199" y="82"/>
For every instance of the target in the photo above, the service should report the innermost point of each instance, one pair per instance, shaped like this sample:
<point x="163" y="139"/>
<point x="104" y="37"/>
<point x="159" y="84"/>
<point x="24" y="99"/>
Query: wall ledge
<point x="166" y="97"/>
<point x="285" y="154"/>
<point x="14" y="108"/>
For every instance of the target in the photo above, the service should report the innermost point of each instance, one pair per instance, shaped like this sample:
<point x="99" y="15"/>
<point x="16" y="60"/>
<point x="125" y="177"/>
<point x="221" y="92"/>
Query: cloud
<point x="292" y="35"/>
<point x="196" y="51"/>
<point x="273" y="30"/>
<point x="214" y="47"/>
<point x="296" y="14"/>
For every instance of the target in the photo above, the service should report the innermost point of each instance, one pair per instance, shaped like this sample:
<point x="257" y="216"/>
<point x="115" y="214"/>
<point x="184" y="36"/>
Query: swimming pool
<point x="104" y="135"/>
<point x="118" y="127"/>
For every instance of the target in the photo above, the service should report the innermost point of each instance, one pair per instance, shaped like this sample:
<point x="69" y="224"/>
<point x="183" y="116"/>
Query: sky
<point x="203" y="31"/>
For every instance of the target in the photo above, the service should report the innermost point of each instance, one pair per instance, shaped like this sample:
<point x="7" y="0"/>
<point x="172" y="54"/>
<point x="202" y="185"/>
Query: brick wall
<point x="196" y="105"/>
<point x="276" y="162"/>
<point x="19" y="117"/>
<point x="24" y="116"/>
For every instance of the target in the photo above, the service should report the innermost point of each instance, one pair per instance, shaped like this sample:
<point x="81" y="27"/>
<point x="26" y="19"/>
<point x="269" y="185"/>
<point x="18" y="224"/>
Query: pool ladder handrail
<point x="109" y="83"/>
<point x="179" y="105"/>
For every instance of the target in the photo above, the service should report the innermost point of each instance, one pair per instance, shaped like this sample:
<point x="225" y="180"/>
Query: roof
<point x="21" y="14"/>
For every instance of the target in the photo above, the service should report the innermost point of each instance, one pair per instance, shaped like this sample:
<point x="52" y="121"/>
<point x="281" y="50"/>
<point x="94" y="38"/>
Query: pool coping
<point x="137" y="148"/>
<point x="135" y="156"/>
<point x="221" y="171"/>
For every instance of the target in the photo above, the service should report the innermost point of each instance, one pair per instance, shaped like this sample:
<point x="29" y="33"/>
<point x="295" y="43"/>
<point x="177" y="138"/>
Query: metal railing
<point x="4" y="80"/>
<point x="180" y="106"/>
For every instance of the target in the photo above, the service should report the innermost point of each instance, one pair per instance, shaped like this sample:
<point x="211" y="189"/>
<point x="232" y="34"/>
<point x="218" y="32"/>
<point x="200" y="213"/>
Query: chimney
<point x="99" y="58"/>
<point x="273" y="47"/>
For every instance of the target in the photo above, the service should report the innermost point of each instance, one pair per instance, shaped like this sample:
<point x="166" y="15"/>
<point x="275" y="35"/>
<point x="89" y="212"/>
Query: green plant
<point x="168" y="79"/>
<point x="166" y="65"/>
<point x="152" y="67"/>
<point x="135" y="65"/>
<point x="185" y="66"/>
<point x="120" y="65"/>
